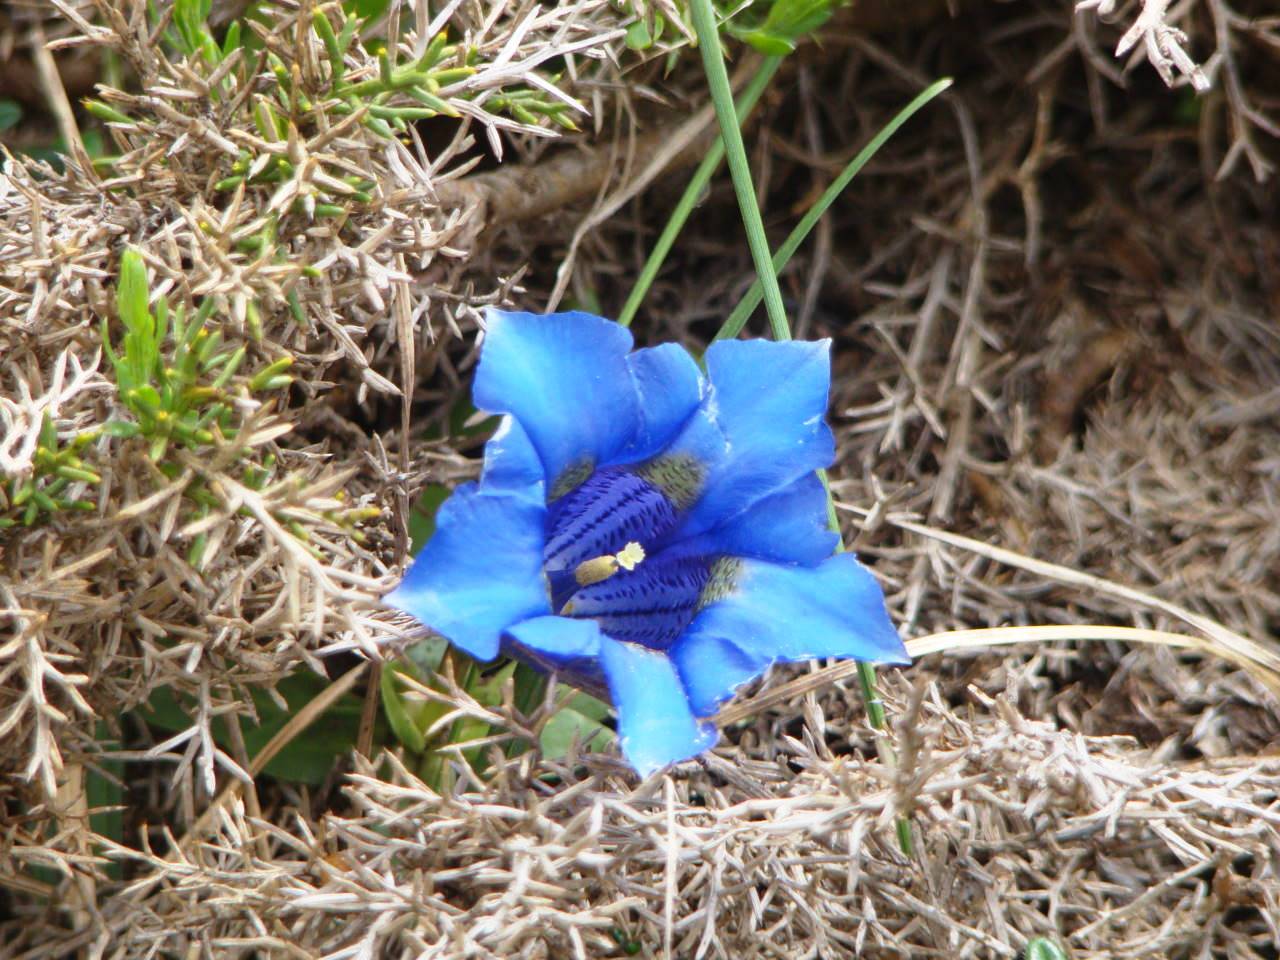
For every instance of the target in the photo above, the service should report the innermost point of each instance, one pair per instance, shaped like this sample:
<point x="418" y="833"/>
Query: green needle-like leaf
<point x="704" y="23"/>
<point x="698" y="183"/>
<point x="742" y="312"/>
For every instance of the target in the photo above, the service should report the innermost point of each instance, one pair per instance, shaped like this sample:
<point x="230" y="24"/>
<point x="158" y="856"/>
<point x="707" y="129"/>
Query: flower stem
<point x="689" y="199"/>
<point x="766" y="270"/>
<point x="704" y="23"/>
<point x="867" y="686"/>
<point x="742" y="312"/>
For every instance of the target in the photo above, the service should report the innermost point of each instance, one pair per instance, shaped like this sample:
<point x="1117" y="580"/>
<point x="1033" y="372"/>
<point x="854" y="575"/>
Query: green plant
<point x="426" y="726"/>
<point x="171" y="371"/>
<point x="56" y="466"/>
<point x="1042" y="948"/>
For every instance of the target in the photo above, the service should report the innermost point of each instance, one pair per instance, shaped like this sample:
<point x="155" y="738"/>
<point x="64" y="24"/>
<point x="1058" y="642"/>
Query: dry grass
<point x="1057" y="378"/>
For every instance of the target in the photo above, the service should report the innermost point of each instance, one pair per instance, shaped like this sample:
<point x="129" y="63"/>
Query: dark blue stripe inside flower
<point x="653" y="535"/>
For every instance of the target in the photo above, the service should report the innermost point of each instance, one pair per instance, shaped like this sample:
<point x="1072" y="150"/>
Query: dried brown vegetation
<point x="1053" y="299"/>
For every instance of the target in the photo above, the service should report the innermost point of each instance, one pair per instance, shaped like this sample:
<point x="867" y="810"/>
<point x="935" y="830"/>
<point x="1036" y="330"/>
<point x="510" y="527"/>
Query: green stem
<point x="701" y="177"/>
<point x="742" y="312"/>
<point x="766" y="285"/>
<point x="704" y="24"/>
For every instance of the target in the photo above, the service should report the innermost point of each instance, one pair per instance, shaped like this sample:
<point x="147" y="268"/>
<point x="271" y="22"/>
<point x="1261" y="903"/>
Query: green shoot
<point x="689" y="199"/>
<point x="171" y="373"/>
<point x="704" y="23"/>
<point x="56" y="467"/>
<point x="742" y="312"/>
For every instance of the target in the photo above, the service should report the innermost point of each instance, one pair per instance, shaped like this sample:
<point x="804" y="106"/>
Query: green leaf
<point x="145" y="397"/>
<point x="580" y="719"/>
<point x="121" y="429"/>
<point x="140" y="349"/>
<point x="638" y="35"/>
<point x="365" y="9"/>
<point x="426" y="655"/>
<point x="103" y="792"/>
<point x="189" y="17"/>
<point x="397" y="710"/>
<point x="789" y="20"/>
<point x="531" y="687"/>
<point x="487" y="688"/>
<point x="309" y="758"/>
<point x="1042" y="948"/>
<point x="10" y="114"/>
<point x="48" y="433"/>
<point x="422" y="518"/>
<point x="232" y="40"/>
<point x="131" y="293"/>
<point x="770" y="44"/>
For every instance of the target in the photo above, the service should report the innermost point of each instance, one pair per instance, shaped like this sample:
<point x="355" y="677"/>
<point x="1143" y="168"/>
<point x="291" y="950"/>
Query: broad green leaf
<point x="397" y="710"/>
<point x="638" y="35"/>
<point x="580" y="719"/>
<point x="10" y="114"/>
<point x="426" y="654"/>
<point x="102" y="792"/>
<point x="422" y="518"/>
<point x="488" y="689"/>
<point x="531" y="687"/>
<point x="309" y="758"/>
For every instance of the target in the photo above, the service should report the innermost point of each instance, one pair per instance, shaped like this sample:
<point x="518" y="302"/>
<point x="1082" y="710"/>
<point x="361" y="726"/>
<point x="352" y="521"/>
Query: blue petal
<point x="480" y="572"/>
<point x="571" y="648"/>
<point x="511" y="464"/>
<point x="789" y="526"/>
<point x="565" y="377"/>
<point x="670" y="388"/>
<point x="776" y="613"/>
<point x="655" y="724"/>
<point x="762" y="427"/>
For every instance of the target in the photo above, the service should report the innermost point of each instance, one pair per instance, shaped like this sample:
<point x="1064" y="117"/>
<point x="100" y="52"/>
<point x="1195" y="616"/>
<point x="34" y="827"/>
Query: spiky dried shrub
<point x="781" y="846"/>
<point x="180" y="511"/>
<point x="1002" y="374"/>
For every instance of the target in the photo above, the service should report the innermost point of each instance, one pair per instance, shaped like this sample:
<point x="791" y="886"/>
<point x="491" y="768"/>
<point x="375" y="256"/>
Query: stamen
<point x="598" y="569"/>
<point x="630" y="555"/>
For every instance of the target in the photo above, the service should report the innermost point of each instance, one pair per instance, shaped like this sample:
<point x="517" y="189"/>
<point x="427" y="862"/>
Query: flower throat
<point x="605" y="558"/>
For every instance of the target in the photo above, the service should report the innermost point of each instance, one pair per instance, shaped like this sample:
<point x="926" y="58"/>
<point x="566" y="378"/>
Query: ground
<point x="1052" y="301"/>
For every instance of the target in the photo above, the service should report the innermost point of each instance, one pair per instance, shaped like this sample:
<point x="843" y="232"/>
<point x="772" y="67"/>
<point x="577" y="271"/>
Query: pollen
<point x="630" y="555"/>
<point x="602" y="568"/>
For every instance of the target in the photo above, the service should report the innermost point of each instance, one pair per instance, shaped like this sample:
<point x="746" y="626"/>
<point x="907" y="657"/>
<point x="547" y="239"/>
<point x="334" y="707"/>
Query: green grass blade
<point x="698" y="183"/>
<point x="704" y="24"/>
<point x="767" y="268"/>
<point x="742" y="312"/>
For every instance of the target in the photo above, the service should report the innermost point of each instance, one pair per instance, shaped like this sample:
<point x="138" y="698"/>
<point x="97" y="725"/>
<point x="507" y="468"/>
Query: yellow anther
<point x="630" y="555"/>
<point x="602" y="568"/>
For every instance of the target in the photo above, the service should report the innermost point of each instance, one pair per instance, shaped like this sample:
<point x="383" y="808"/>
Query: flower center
<point x="604" y="561"/>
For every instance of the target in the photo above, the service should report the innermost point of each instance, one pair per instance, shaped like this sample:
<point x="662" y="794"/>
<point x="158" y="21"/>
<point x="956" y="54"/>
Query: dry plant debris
<point x="1053" y="337"/>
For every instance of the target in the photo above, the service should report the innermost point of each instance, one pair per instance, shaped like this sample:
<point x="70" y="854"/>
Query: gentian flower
<point x="652" y="535"/>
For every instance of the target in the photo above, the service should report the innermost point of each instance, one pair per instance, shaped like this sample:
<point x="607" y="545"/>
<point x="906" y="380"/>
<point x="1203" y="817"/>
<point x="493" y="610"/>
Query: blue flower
<point x="655" y="536"/>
